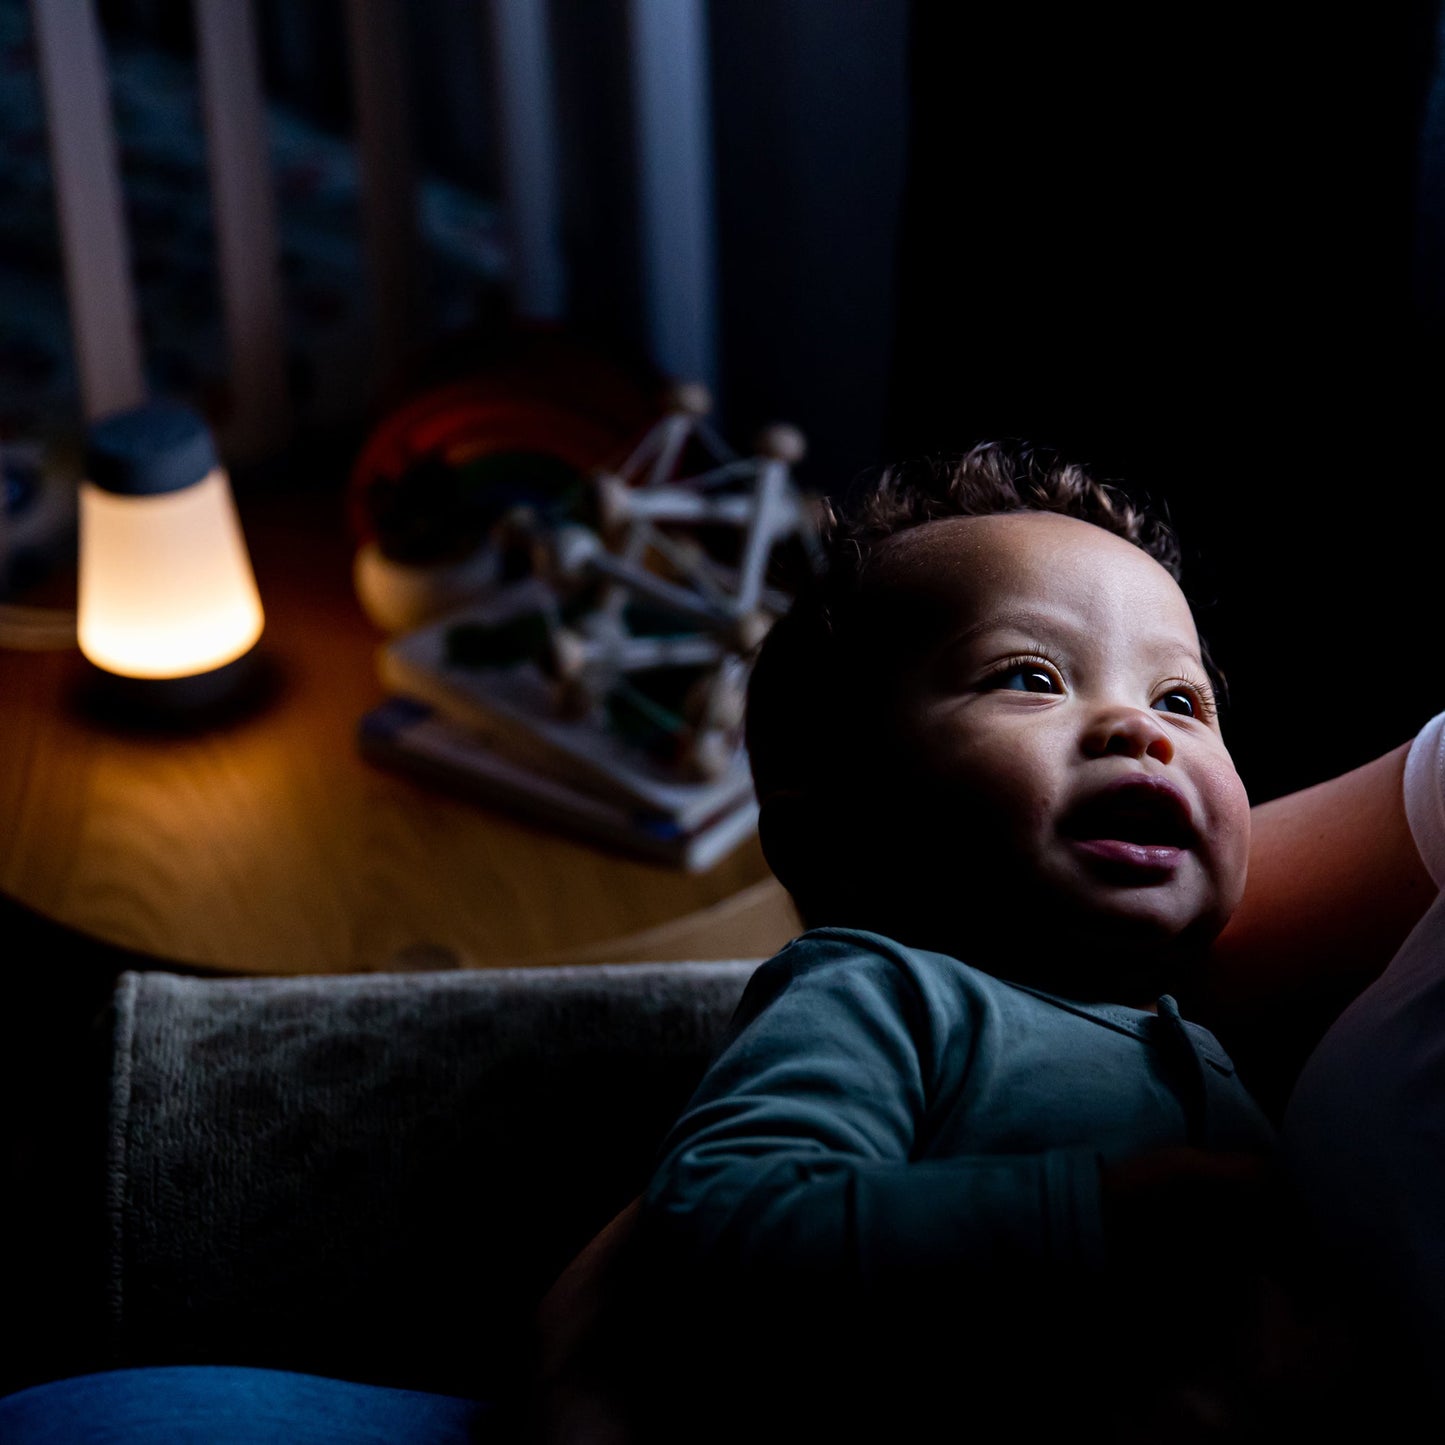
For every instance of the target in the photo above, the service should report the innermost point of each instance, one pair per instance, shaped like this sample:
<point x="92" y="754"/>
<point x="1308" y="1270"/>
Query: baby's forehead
<point x="948" y="541"/>
<point x="931" y="578"/>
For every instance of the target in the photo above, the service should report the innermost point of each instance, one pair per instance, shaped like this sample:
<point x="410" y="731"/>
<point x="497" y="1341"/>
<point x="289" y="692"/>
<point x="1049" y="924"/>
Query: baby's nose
<point x="1130" y="731"/>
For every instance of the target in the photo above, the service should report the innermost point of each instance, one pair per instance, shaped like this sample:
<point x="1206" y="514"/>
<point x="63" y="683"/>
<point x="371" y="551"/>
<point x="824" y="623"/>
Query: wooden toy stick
<point x="771" y="517"/>
<point x="634" y="654"/>
<point x="687" y="403"/>
<point x="675" y="431"/>
<point x="723" y="472"/>
<point x="713" y="442"/>
<point x="749" y="630"/>
<point x="719" y="699"/>
<point x="640" y="653"/>
<point x="690" y="562"/>
<point x="612" y="497"/>
<point x="726" y="577"/>
<point x="636" y="579"/>
<point x="677" y="504"/>
<point x="643" y="451"/>
<point x="708" y="755"/>
<point x="618" y="504"/>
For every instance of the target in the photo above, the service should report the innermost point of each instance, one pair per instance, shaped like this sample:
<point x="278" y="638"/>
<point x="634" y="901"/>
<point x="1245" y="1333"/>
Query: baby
<point x="961" y="1161"/>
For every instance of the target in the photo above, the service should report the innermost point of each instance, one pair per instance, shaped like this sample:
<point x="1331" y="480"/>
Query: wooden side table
<point x="268" y="846"/>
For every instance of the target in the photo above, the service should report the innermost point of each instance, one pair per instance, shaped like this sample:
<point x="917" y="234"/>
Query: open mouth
<point x="1141" y="812"/>
<point x="1136" y="831"/>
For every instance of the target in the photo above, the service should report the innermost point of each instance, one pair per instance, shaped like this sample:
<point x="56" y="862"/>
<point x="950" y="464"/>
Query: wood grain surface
<point x="266" y="845"/>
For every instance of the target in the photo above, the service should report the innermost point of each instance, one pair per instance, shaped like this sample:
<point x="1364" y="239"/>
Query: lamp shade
<point x="166" y="587"/>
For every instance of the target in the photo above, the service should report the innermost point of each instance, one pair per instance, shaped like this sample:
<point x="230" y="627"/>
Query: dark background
<point x="1201" y="247"/>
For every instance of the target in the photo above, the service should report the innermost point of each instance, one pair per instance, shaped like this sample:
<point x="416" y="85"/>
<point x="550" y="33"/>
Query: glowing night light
<point x="166" y="587"/>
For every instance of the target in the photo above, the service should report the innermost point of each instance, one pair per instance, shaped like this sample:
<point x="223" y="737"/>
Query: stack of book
<point x="492" y="733"/>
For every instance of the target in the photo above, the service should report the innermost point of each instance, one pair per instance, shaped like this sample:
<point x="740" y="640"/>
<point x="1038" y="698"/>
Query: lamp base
<point x="200" y="700"/>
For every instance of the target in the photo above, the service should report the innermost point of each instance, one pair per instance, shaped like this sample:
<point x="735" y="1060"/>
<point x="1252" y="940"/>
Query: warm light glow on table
<point x="269" y="846"/>
<point x="166" y="588"/>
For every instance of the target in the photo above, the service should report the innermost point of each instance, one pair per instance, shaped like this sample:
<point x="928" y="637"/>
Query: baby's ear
<point x="787" y="828"/>
<point x="810" y="841"/>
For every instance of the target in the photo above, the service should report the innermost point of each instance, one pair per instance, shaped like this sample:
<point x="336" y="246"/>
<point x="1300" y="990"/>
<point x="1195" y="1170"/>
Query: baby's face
<point x="1059" y="758"/>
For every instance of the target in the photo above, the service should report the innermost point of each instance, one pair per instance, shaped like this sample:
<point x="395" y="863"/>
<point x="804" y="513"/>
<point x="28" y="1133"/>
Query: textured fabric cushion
<point x="376" y="1177"/>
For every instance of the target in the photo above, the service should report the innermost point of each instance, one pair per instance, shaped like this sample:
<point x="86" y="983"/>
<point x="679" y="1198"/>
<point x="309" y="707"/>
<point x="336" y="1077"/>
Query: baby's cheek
<point x="1017" y="802"/>
<point x="1229" y="830"/>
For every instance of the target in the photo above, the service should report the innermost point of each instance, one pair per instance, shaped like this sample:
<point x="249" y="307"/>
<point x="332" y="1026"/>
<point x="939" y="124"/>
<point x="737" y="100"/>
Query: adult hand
<point x="1194" y="1244"/>
<point x="574" y="1398"/>
<point x="1188" y="1209"/>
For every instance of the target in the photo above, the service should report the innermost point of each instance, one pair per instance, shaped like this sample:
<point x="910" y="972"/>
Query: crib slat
<point x="527" y="120"/>
<point x="671" y="103"/>
<point x="104" y="326"/>
<point x="376" y="31"/>
<point x="243" y="199"/>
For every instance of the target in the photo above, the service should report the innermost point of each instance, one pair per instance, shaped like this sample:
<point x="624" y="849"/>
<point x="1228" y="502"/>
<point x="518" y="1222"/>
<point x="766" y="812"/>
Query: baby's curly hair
<point x="816" y="682"/>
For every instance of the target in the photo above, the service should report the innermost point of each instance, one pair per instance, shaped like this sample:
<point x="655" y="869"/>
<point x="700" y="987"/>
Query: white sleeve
<point x="1425" y="795"/>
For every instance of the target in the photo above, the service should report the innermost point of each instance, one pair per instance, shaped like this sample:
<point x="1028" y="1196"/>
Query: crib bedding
<point x="155" y="106"/>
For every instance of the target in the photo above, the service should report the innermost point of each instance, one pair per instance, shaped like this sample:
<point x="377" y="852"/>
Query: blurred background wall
<point x="809" y="135"/>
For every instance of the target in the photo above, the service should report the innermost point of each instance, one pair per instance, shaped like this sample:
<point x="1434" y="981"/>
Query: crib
<point x="671" y="166"/>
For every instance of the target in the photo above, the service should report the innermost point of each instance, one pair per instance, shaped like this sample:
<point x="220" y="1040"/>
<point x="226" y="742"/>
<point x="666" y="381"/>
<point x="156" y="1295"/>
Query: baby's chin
<point x="1094" y="949"/>
<point x="1127" y="961"/>
<point x="1133" y="982"/>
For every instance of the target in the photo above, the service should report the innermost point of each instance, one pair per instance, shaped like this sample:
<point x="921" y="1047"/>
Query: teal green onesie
<point x="890" y="1136"/>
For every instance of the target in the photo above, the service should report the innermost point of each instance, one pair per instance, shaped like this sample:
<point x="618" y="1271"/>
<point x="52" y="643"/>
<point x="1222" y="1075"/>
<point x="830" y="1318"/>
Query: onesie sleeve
<point x="1425" y="796"/>
<point x="800" y="1159"/>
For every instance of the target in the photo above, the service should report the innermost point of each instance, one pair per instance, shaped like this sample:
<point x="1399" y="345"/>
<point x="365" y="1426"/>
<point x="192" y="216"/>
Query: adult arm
<point x="1336" y="882"/>
<point x="582" y="1335"/>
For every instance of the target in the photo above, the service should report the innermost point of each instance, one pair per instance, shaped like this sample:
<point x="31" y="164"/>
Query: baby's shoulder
<point x="871" y="967"/>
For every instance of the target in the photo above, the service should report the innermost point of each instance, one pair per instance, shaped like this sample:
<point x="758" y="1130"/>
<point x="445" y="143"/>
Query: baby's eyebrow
<point x="1170" y="649"/>
<point x="1020" y="620"/>
<point x="1159" y="649"/>
<point x="1032" y="628"/>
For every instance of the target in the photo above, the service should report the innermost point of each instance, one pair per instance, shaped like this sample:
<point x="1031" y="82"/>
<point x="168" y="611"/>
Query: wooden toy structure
<point x="641" y="596"/>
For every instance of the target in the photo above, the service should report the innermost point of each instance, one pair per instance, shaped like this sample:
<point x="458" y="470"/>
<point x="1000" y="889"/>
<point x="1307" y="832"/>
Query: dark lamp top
<point x="151" y="449"/>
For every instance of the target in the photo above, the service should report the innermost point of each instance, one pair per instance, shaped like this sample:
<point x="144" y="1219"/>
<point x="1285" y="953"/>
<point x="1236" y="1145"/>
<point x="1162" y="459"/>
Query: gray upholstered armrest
<point x="377" y="1176"/>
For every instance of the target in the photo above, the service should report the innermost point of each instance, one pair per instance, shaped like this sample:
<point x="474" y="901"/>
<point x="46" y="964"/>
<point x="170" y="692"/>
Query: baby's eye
<point x="1178" y="700"/>
<point x="1025" y="677"/>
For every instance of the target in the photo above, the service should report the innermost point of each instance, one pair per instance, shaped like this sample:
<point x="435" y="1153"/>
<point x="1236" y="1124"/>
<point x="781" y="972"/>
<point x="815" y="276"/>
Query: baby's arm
<point x="800" y="1154"/>
<point x="787" y="1212"/>
<point x="796" y="1218"/>
<point x="798" y="1245"/>
<point x="795" y="1224"/>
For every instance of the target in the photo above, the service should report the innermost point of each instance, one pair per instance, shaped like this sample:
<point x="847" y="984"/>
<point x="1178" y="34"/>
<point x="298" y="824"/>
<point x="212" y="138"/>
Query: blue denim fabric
<point x="229" y="1405"/>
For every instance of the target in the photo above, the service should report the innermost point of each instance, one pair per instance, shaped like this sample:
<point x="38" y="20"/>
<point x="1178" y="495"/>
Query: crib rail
<point x="94" y="250"/>
<point x="672" y="157"/>
<point x="245" y="218"/>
